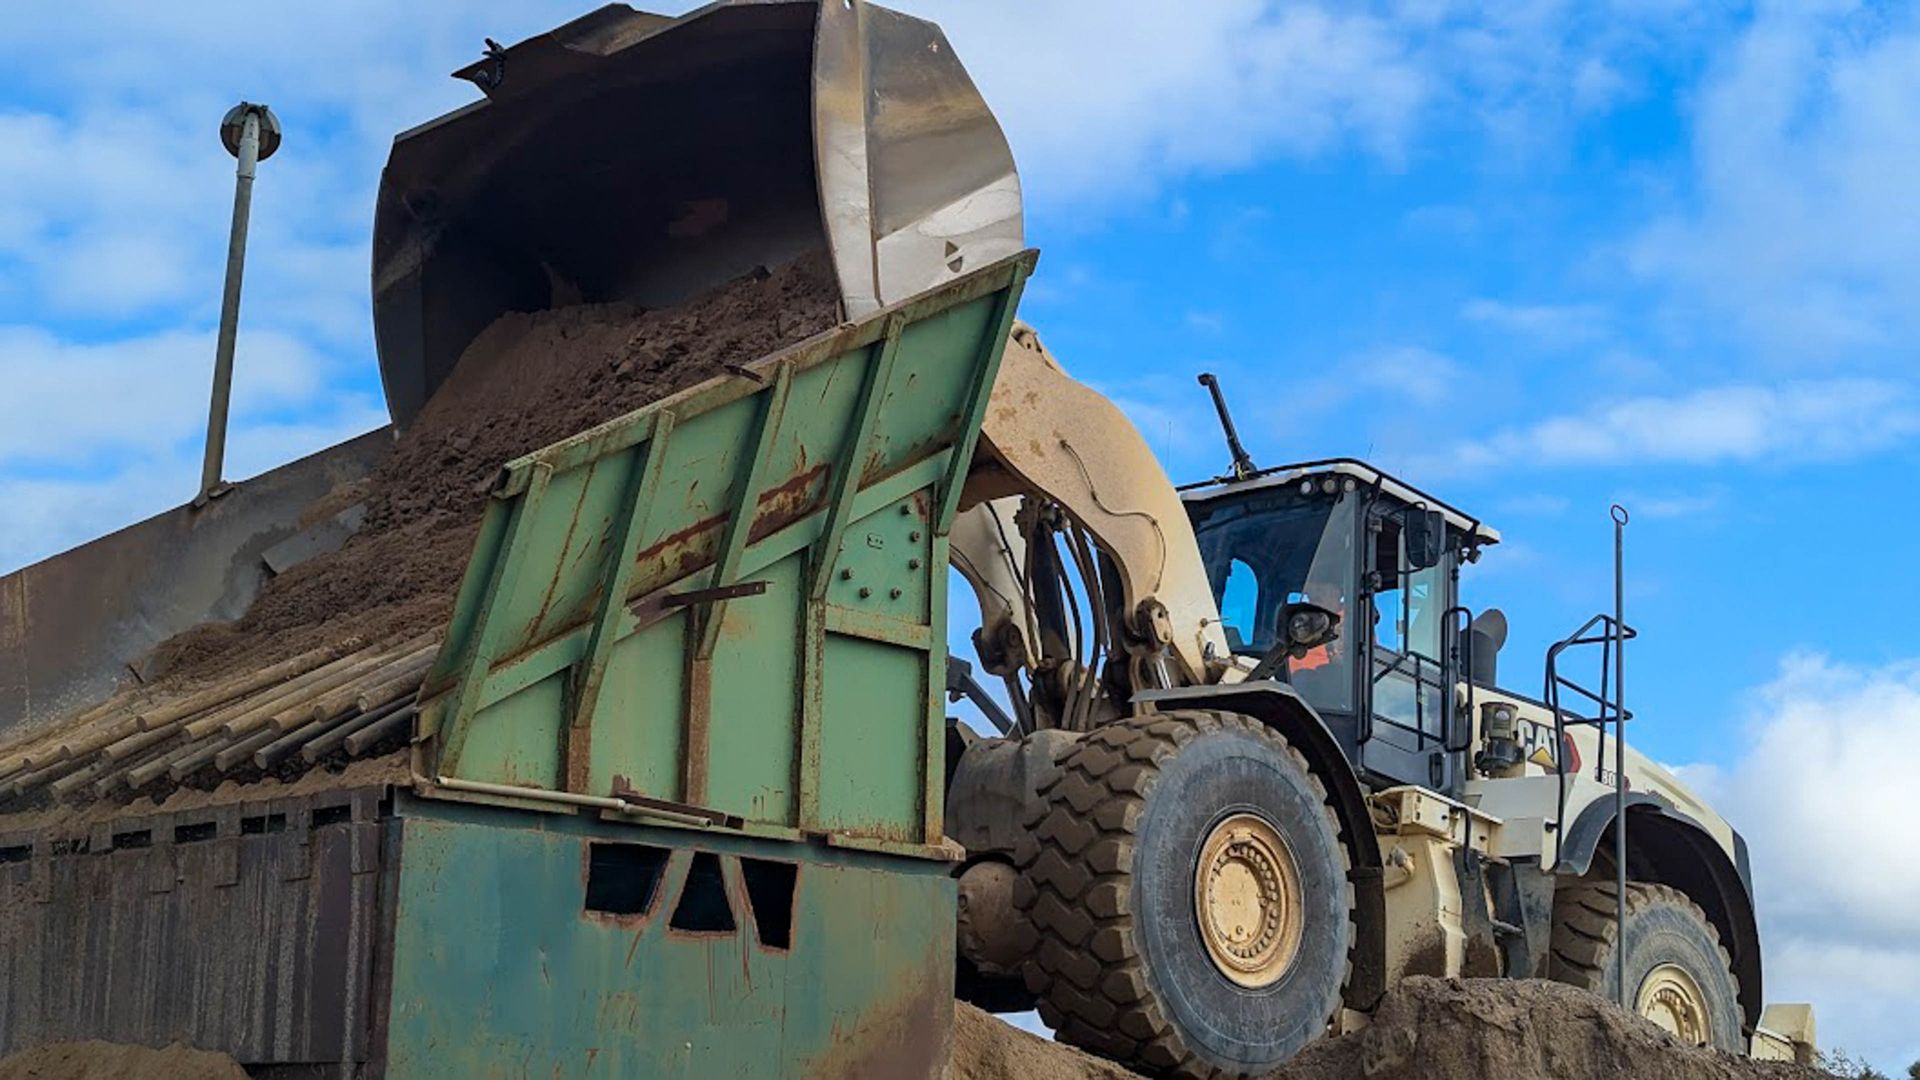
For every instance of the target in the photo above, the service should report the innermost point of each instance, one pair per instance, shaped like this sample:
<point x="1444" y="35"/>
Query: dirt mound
<point x="1425" y="1029"/>
<point x="93" y="1060"/>
<point x="528" y="380"/>
<point x="1465" y="1029"/>
<point x="986" y="1047"/>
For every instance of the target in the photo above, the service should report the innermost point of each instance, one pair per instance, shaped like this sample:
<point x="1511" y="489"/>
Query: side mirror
<point x="1426" y="538"/>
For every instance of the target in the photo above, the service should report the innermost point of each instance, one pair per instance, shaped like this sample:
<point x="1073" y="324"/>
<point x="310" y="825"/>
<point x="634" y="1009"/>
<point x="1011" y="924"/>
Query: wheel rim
<point x="1248" y="900"/>
<point x="1671" y="998"/>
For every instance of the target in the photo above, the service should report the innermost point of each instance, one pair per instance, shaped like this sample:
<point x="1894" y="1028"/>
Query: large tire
<point x="1665" y="930"/>
<point x="1108" y="889"/>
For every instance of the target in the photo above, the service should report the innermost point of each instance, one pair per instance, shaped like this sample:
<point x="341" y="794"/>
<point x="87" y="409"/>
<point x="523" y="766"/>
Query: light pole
<point x="251" y="134"/>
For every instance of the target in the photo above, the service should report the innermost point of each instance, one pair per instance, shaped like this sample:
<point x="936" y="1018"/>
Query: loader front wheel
<point x="1185" y="886"/>
<point x="1679" y="974"/>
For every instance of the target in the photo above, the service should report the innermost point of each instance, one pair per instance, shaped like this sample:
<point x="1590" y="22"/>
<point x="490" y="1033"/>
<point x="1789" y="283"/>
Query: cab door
<point x="1404" y="693"/>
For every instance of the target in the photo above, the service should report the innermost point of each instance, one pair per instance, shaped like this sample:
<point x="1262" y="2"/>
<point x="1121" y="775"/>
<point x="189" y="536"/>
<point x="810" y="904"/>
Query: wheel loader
<point x="675" y="792"/>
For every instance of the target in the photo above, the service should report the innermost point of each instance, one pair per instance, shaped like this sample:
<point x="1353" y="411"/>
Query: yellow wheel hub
<point x="1246" y="892"/>
<point x="1671" y="998"/>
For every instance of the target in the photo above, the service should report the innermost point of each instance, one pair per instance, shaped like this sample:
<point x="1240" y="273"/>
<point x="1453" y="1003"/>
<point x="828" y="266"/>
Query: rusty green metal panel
<point x="501" y="968"/>
<point x="731" y="598"/>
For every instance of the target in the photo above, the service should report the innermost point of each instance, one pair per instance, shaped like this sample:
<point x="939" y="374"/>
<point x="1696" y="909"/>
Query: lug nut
<point x="865" y="592"/>
<point x="847" y="574"/>
<point x="894" y="593"/>
<point x="913" y="564"/>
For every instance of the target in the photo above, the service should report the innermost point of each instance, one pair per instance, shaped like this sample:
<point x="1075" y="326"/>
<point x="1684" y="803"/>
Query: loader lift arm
<point x="1050" y="440"/>
<point x="1048" y="435"/>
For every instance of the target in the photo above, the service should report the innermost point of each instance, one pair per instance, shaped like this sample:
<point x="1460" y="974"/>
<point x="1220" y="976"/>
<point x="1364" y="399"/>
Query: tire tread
<point x="1084" y="961"/>
<point x="1585" y="931"/>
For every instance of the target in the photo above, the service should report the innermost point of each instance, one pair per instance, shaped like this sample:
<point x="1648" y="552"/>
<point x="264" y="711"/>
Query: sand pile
<point x="1464" y="1029"/>
<point x="986" y="1047"/>
<point x="527" y="381"/>
<point x="1425" y="1029"/>
<point x="94" y="1060"/>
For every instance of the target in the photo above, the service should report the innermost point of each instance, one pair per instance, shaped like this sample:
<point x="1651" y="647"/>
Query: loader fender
<point x="1665" y="846"/>
<point x="1277" y="706"/>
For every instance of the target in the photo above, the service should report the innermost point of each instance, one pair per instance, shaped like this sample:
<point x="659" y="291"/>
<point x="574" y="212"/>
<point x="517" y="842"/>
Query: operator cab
<point x="1381" y="556"/>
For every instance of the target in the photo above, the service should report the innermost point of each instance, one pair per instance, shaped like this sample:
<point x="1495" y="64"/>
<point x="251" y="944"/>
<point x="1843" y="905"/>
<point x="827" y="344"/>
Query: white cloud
<point x="1393" y="373"/>
<point x="49" y="514"/>
<point x="1209" y="323"/>
<point x="1534" y="504"/>
<point x="1598" y="85"/>
<point x="1547" y="324"/>
<point x="1675" y="504"/>
<point x="1821" y="792"/>
<point x="1800" y="224"/>
<point x="69" y="402"/>
<point x="1420" y="375"/>
<point x="1808" y="420"/>
<point x="1175" y="417"/>
<point x="1107" y="100"/>
<point x="256" y="447"/>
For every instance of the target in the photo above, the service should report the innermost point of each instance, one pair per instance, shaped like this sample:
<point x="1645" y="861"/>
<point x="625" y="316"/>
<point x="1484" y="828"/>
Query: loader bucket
<point x="633" y="157"/>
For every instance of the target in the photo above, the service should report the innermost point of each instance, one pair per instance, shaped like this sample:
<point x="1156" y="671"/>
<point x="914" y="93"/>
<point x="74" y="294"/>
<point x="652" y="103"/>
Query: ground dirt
<point x="1425" y="1029"/>
<point x="528" y="380"/>
<point x="94" y="1060"/>
<point x="986" y="1047"/>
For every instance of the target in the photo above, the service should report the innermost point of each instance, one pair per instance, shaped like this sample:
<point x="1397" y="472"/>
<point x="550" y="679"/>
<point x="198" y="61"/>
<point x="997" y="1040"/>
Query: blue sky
<point x="1536" y="259"/>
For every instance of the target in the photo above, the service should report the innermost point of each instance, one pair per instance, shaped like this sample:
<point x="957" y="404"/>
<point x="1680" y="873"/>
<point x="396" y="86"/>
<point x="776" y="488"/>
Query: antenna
<point x="1243" y="466"/>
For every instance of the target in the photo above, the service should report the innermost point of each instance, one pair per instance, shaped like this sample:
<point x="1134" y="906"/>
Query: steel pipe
<point x="568" y="798"/>
<point x="1619" y="514"/>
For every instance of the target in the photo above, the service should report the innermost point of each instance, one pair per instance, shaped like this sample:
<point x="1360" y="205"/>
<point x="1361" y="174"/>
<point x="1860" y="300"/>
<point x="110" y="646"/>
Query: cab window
<point x="1240" y="606"/>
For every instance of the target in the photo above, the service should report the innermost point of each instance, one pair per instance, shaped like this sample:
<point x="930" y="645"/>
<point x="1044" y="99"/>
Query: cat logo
<point x="1539" y="737"/>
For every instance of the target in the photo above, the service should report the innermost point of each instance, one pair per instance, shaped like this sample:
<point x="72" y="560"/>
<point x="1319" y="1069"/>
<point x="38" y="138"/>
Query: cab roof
<point x="1473" y="528"/>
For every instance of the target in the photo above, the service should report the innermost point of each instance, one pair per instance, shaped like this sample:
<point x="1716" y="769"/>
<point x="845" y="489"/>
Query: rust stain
<point x="694" y="737"/>
<point x="787" y="502"/>
<point x="685" y="550"/>
<point x="678" y="555"/>
<point x="566" y="542"/>
<point x="579" y="737"/>
<point x="619" y="1010"/>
